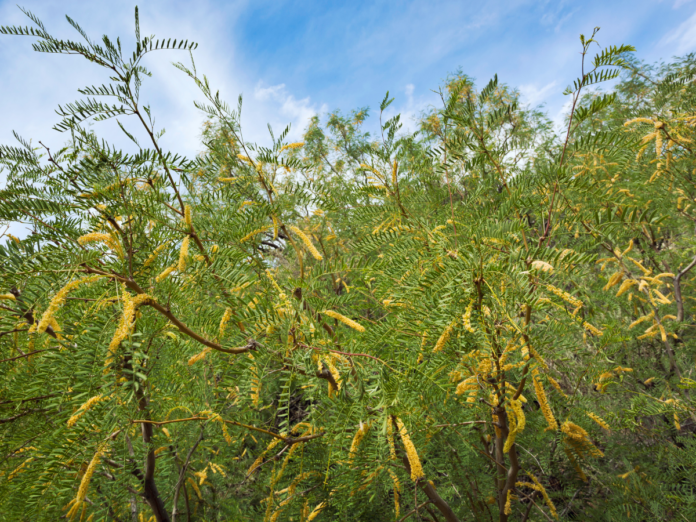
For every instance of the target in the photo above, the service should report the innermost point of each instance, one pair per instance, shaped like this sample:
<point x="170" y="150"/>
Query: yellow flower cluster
<point x="579" y="440"/>
<point x="397" y="490"/>
<point x="390" y="438"/>
<point x="345" y="320"/>
<point x="307" y="242"/>
<point x="259" y="459"/>
<point x="564" y="295"/>
<point x="254" y="233"/>
<point x="315" y="512"/>
<point x="467" y="317"/>
<point x="291" y="146"/>
<point x="538" y="487"/>
<point x="155" y="254"/>
<point x="183" y="253"/>
<point x="516" y="423"/>
<point x="165" y="274"/>
<point x="543" y="401"/>
<point x="411" y="453"/>
<point x="59" y="299"/>
<point x="598" y="420"/>
<point x="225" y="319"/>
<point x="77" y="502"/>
<point x="109" y="240"/>
<point x="542" y="266"/>
<point x="187" y="215"/>
<point x="84" y="409"/>
<point x="199" y="356"/>
<point x="592" y="329"/>
<point x="442" y="341"/>
<point x="362" y="431"/>
<point x="8" y="297"/>
<point x="130" y="305"/>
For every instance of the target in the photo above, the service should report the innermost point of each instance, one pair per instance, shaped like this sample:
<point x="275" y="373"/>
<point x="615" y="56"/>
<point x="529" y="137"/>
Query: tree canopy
<point x="482" y="320"/>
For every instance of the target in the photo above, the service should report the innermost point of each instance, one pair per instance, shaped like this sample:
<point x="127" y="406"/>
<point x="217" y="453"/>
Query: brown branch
<point x="27" y="355"/>
<point x="677" y="290"/>
<point x="182" y="473"/>
<point x="169" y="315"/>
<point x="413" y="511"/>
<point x="288" y="440"/>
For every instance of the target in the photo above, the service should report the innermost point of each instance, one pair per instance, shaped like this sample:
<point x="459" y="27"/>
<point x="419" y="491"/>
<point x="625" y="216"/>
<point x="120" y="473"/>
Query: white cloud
<point x="683" y="39"/>
<point x="679" y="3"/>
<point x="286" y="109"/>
<point x="534" y="95"/>
<point x="411" y="109"/>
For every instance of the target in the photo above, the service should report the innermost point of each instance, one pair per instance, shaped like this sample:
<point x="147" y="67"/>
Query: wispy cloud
<point x="286" y="109"/>
<point x="535" y="95"/>
<point x="683" y="38"/>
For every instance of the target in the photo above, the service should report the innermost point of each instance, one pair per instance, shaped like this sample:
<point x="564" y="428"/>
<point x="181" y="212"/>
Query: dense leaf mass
<point x="483" y="320"/>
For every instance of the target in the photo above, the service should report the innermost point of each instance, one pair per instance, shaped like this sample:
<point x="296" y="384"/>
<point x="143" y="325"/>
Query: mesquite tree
<point x="482" y="320"/>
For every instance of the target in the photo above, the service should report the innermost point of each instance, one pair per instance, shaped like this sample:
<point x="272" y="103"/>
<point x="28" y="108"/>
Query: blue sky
<point x="295" y="59"/>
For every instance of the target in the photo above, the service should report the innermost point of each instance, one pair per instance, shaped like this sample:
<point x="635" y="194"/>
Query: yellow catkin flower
<point x="183" y="254"/>
<point x="362" y="431"/>
<point x="390" y="439"/>
<point x="516" y="422"/>
<point x="508" y="507"/>
<point x="564" y="295"/>
<point x="574" y="462"/>
<point x="442" y="341"/>
<point x="574" y="431"/>
<point x="315" y="512"/>
<point x="542" y="266"/>
<point x="155" y="253"/>
<point x="225" y="319"/>
<point x="639" y="120"/>
<point x="19" y="469"/>
<point x="395" y="168"/>
<point x="130" y="305"/>
<point x="165" y="274"/>
<point x="275" y="227"/>
<point x="259" y="459"/>
<point x="195" y="487"/>
<point x="8" y="297"/>
<point x="614" y="280"/>
<point x="84" y="484"/>
<point x="467" y="317"/>
<point x="557" y="385"/>
<point x="598" y="420"/>
<point x="468" y="384"/>
<point x="414" y="461"/>
<point x="344" y="320"/>
<point x="544" y="403"/>
<point x="592" y="329"/>
<point x="625" y="286"/>
<point x="291" y="146"/>
<point x="642" y="319"/>
<point x="307" y="242"/>
<point x="541" y="490"/>
<point x="199" y="356"/>
<point x="59" y="299"/>
<point x="84" y="409"/>
<point x="13" y="238"/>
<point x="107" y="239"/>
<point x="397" y="490"/>
<point x="187" y="215"/>
<point x="255" y="390"/>
<point x="254" y="233"/>
<point x="334" y="372"/>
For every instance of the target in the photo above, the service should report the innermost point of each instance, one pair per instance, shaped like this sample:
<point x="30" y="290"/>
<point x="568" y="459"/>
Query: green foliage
<point x="482" y="320"/>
